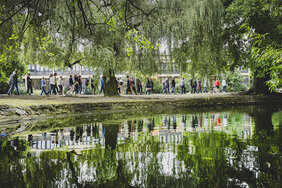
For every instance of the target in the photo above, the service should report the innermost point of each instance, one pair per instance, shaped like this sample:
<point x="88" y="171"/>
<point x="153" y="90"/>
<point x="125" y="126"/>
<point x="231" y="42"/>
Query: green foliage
<point x="234" y="81"/>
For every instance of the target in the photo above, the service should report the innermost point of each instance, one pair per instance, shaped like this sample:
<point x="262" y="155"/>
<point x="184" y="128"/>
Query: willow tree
<point x="100" y="34"/>
<point x="193" y="29"/>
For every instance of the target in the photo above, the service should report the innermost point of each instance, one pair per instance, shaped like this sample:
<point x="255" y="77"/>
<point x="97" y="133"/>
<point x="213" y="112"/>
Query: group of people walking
<point x="132" y="86"/>
<point x="135" y="86"/>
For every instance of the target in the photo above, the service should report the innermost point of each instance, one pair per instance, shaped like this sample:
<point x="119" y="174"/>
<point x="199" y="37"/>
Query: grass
<point x="28" y="100"/>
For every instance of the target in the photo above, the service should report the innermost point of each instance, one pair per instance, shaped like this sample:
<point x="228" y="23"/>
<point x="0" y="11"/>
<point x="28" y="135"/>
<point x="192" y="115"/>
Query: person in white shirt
<point x="60" y="84"/>
<point x="224" y="85"/>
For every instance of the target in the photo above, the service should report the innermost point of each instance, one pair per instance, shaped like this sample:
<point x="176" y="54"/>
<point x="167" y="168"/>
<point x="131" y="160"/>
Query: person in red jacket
<point x="217" y="85"/>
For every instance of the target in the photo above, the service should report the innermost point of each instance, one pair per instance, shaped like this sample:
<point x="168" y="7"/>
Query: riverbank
<point x="13" y="107"/>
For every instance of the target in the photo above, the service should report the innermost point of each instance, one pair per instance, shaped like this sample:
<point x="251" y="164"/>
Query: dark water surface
<point x="184" y="148"/>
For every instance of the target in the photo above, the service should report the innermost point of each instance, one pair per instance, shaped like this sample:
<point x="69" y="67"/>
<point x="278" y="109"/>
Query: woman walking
<point x="43" y="86"/>
<point x="60" y="84"/>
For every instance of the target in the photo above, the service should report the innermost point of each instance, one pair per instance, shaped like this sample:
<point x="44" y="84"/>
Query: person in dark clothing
<point x="191" y="85"/>
<point x="195" y="86"/>
<point x="139" y="86"/>
<point x="70" y="86"/>
<point x="167" y="85"/>
<point x="148" y="87"/>
<point x="182" y="86"/>
<point x="128" y="91"/>
<point x="172" y="85"/>
<point x="152" y="85"/>
<point x="79" y="84"/>
<point x="13" y="83"/>
<point x="92" y="85"/>
<point x="76" y="89"/>
<point x="133" y="86"/>
<point x="29" y="84"/>
<point x="87" y="80"/>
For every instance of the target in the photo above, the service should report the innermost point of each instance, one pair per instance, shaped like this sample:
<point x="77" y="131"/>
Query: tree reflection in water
<point x="198" y="150"/>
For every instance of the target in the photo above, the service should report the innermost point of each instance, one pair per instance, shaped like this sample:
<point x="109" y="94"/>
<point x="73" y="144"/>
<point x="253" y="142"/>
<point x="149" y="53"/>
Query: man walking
<point x="102" y="85"/>
<point x="173" y="85"/>
<point x="182" y="85"/>
<point x="29" y="84"/>
<point x="13" y="81"/>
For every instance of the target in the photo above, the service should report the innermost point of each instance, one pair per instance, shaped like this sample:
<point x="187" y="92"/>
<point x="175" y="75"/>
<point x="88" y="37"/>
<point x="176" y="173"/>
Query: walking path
<point x="28" y="100"/>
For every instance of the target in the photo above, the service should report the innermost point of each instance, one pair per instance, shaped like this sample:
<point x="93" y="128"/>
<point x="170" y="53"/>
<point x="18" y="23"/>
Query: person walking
<point x="87" y="80"/>
<point x="191" y="85"/>
<point x="139" y="86"/>
<point x="164" y="88"/>
<point x="92" y="84"/>
<point x="173" y="85"/>
<point x="29" y="85"/>
<point x="195" y="86"/>
<point x="128" y="91"/>
<point x="133" y="86"/>
<point x="167" y="85"/>
<point x="102" y="85"/>
<point x="60" y="84"/>
<point x="148" y="86"/>
<point x="182" y="86"/>
<point x="56" y="89"/>
<point x="152" y="85"/>
<point x="71" y="87"/>
<point x="79" y="84"/>
<point x="43" y="86"/>
<point x="50" y="84"/>
<point x="13" y="81"/>
<point x="224" y="85"/>
<point x="121" y="86"/>
<point x="217" y="84"/>
<point x="205" y="86"/>
<point x="118" y="85"/>
<point x="199" y="86"/>
<point x="76" y="89"/>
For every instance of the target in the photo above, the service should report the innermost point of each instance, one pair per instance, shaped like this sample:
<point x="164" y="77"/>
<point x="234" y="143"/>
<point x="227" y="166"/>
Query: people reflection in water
<point x="194" y="121"/>
<point x="15" y="144"/>
<point x="174" y="125"/>
<point x="166" y="120"/>
<point x="200" y="120"/>
<point x="78" y="133"/>
<point x="225" y="121"/>
<point x="150" y="125"/>
<point x="72" y="134"/>
<point x="88" y="130"/>
<point x="95" y="130"/>
<point x="183" y="122"/>
<point x="218" y="120"/>
<point x="206" y="122"/>
<point x="140" y="125"/>
<point x="103" y="131"/>
<point x="30" y="139"/>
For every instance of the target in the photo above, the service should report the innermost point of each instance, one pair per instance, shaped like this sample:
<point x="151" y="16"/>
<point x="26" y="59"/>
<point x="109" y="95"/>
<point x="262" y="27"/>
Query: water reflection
<point x="221" y="149"/>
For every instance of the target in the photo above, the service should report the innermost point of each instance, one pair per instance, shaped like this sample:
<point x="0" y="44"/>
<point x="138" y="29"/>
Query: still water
<point x="184" y="148"/>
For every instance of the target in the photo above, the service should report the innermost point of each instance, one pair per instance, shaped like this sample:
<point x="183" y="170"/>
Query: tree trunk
<point x="259" y="84"/>
<point x="110" y="84"/>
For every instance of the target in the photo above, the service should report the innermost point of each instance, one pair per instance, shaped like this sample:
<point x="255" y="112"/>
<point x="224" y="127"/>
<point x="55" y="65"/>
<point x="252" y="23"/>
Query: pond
<point x="238" y="147"/>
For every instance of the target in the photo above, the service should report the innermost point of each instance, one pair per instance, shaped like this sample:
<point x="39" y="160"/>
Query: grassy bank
<point x="12" y="107"/>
